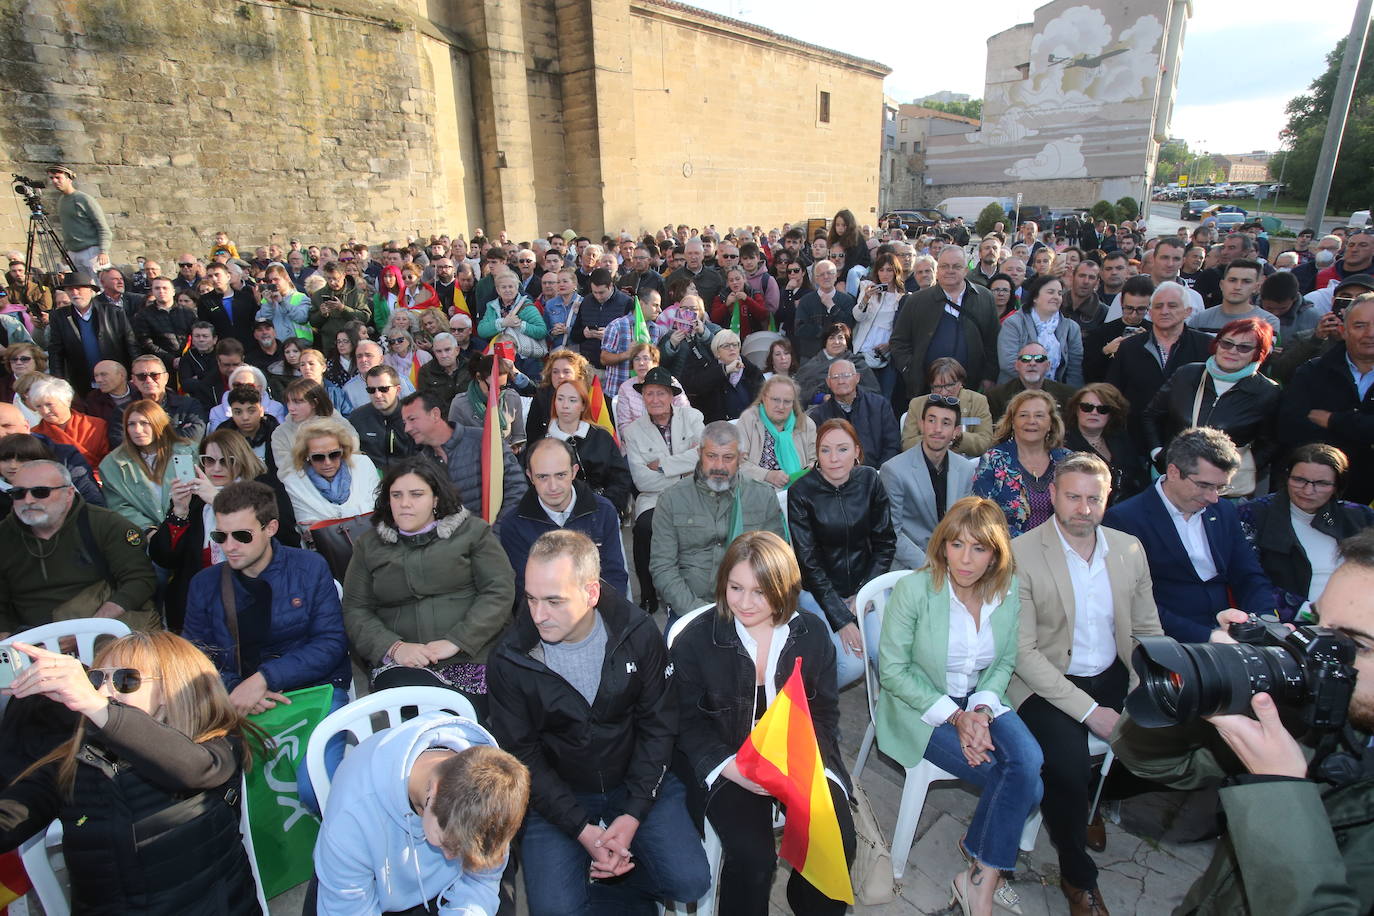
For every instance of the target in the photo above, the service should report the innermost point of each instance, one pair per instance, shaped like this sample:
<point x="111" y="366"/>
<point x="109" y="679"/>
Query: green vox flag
<point x="283" y="830"/>
<point x="641" y="329"/>
<point x="735" y="322"/>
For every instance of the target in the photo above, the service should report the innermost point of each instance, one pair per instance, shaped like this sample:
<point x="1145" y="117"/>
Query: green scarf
<point x="783" y="448"/>
<point x="1242" y="373"/>
<point x="478" y="402"/>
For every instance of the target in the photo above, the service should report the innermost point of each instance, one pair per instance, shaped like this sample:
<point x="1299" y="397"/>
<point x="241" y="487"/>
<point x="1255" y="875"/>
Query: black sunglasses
<point x="123" y="680"/>
<point x="144" y="376"/>
<point x="321" y="457"/>
<point x="242" y="535"/>
<point x="380" y="388"/>
<point x="1096" y="408"/>
<point x="1033" y="358"/>
<point x="18" y="493"/>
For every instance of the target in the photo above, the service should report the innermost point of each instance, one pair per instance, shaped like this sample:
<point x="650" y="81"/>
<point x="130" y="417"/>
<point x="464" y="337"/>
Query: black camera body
<point x="1309" y="669"/>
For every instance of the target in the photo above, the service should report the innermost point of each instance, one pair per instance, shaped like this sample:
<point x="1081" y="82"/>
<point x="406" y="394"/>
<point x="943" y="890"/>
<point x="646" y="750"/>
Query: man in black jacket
<point x="232" y="311"/>
<point x="953" y="318"/>
<point x="149" y="378"/>
<point x="1100" y="344"/>
<point x="112" y="292"/>
<point x="86" y="332"/>
<point x="380" y="427"/>
<point x="580" y="694"/>
<point x="600" y="307"/>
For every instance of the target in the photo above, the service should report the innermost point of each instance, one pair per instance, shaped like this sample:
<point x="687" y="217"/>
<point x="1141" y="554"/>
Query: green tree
<point x="1307" y="114"/>
<point x="970" y="109"/>
<point x="991" y="215"/>
<point x="1104" y="209"/>
<point x="1127" y="208"/>
<point x="1173" y="160"/>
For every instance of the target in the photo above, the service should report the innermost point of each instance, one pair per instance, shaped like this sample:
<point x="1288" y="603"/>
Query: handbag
<point x="334" y="539"/>
<point x="1247" y="475"/>
<point x="871" y="873"/>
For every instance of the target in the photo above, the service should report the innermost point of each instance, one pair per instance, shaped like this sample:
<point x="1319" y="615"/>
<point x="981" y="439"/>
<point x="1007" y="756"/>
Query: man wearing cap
<point x="661" y="446"/>
<point x="86" y="332"/>
<point x="85" y="230"/>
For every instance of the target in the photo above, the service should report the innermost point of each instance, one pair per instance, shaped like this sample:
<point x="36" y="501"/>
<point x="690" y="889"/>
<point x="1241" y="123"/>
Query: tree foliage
<point x="1176" y="159"/>
<point x="970" y="109"/>
<point x="1127" y="208"/>
<point x="991" y="215"/>
<point x="1352" y="184"/>
<point x="1104" y="209"/>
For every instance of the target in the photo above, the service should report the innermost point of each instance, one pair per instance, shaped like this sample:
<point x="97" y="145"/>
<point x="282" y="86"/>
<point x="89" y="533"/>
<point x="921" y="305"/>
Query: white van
<point x="1359" y="219"/>
<point x="970" y="207"/>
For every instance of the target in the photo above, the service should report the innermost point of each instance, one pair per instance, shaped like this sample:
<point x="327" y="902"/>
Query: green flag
<point x="283" y="830"/>
<point x="734" y="321"/>
<point x="641" y="331"/>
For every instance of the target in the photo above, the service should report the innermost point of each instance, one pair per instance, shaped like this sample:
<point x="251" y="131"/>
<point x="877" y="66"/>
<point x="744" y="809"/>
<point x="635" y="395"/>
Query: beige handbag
<point x="872" y="871"/>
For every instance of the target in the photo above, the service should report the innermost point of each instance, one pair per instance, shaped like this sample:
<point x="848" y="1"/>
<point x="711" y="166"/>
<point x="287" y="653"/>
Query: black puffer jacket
<point x="624" y="739"/>
<point x="602" y="465"/>
<point x="842" y="537"/>
<point x="147" y="829"/>
<point x="1245" y="412"/>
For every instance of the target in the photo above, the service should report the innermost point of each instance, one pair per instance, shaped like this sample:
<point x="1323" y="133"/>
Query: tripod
<point x="44" y="237"/>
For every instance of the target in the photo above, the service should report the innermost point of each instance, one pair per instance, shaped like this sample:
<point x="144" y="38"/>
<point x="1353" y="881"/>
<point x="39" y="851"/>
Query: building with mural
<point x="1075" y="106"/>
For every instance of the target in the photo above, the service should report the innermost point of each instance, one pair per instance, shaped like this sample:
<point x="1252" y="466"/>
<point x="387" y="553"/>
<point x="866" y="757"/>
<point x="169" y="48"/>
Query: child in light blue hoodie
<point x="420" y="814"/>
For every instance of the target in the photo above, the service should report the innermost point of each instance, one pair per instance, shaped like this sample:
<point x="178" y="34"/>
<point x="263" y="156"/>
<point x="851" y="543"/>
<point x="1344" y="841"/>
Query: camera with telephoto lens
<point x="1309" y="669"/>
<point x="27" y="187"/>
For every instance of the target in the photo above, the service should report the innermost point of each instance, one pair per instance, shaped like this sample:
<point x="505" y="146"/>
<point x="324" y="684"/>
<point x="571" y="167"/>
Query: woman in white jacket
<point x="329" y="479"/>
<point x="875" y="311"/>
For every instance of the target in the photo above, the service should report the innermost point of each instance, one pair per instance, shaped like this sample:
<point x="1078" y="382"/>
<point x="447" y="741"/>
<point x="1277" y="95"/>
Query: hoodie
<point x="371" y="856"/>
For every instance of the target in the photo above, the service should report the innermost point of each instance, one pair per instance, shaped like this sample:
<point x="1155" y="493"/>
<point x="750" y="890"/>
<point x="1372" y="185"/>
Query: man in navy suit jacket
<point x="1200" y="561"/>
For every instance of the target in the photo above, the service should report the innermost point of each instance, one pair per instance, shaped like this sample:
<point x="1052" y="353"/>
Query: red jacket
<point x="89" y="435"/>
<point x="753" y="313"/>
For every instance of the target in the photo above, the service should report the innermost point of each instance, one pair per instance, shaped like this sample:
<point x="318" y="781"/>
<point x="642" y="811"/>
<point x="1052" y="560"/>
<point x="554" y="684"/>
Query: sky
<point x="1235" y="77"/>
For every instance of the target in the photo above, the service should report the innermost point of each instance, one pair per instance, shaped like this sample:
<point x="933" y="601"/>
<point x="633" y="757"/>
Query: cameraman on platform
<point x="1293" y="844"/>
<point x="85" y="230"/>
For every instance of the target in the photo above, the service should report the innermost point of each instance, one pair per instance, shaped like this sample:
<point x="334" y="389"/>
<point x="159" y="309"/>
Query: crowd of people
<point x="270" y="466"/>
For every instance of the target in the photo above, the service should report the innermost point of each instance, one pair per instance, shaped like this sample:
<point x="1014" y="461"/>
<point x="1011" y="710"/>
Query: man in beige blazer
<point x="1085" y="597"/>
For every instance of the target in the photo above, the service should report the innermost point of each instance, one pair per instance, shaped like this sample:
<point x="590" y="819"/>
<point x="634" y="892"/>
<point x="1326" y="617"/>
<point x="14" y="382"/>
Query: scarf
<point x="478" y="402"/>
<point x="336" y="490"/>
<point x="1242" y="373"/>
<point x="1044" y="335"/>
<point x="783" y="447"/>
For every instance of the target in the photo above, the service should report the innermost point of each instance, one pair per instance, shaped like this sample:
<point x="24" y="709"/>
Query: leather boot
<point x="1097" y="833"/>
<point x="1083" y="902"/>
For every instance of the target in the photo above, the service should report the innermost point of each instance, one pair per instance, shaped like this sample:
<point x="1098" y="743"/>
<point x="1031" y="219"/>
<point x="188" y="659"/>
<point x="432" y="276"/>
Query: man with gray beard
<point x="695" y="520"/>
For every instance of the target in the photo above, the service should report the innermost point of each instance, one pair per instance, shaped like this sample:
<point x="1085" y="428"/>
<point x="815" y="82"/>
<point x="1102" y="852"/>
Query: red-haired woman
<point x="1227" y="392"/>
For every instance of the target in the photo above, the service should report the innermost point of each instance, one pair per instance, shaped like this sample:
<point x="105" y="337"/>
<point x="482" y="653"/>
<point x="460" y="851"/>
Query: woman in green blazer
<point x="947" y="651"/>
<point x="137" y="476"/>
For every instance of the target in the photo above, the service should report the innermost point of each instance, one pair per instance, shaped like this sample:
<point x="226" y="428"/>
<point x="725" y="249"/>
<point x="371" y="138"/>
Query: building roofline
<point x="748" y="31"/>
<point x="921" y="111"/>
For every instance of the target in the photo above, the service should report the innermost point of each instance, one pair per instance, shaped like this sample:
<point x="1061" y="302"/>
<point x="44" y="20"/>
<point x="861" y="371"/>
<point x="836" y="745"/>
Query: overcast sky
<point x="1237" y="74"/>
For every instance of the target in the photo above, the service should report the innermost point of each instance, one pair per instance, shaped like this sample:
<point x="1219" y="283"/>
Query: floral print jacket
<point x="1001" y="479"/>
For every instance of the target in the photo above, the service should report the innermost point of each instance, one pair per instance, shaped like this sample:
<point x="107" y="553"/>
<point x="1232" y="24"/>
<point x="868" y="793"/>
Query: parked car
<point x="1229" y="222"/>
<point x="1359" y="219"/>
<point x="1192" y="209"/>
<point x="916" y="221"/>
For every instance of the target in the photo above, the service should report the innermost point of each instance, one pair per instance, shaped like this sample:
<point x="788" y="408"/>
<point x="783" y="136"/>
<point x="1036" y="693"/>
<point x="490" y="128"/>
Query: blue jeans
<point x="1010" y="782"/>
<point x="333" y="756"/>
<point x="670" y="862"/>
<point x="848" y="667"/>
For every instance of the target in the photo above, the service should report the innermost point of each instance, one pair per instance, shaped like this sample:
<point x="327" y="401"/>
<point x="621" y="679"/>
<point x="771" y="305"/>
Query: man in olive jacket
<point x="334" y="305"/>
<point x="695" y="521"/>
<point x="61" y="557"/>
<point x="1293" y="844"/>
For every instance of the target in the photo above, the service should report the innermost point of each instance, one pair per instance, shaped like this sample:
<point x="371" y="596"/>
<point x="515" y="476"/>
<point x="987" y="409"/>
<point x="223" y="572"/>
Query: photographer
<point x="85" y="230"/>
<point x="1294" y="844"/>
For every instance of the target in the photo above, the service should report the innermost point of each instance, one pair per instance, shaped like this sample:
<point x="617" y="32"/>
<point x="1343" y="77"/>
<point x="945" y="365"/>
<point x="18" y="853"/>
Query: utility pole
<point x="1335" y="121"/>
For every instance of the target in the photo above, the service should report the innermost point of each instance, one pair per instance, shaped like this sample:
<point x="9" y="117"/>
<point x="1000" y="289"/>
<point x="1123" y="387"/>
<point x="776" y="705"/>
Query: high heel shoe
<point x="959" y="894"/>
<point x="1005" y="896"/>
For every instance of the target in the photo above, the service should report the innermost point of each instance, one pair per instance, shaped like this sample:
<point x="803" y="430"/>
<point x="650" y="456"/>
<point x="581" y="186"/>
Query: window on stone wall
<point x="904" y="124"/>
<point x="824" y="116"/>
<point x="903" y="146"/>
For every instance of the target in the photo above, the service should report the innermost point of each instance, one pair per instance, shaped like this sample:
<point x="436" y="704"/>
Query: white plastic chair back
<point x="356" y="719"/>
<point x="681" y="623"/>
<point x="875" y="591"/>
<point x="86" y="630"/>
<point x="756" y="346"/>
<point x="782" y="504"/>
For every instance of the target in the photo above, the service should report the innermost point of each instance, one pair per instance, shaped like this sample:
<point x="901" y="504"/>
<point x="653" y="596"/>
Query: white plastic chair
<point x="877" y="591"/>
<point x="901" y="424"/>
<point x="1096" y="748"/>
<point x="782" y="504"/>
<point x="356" y="719"/>
<point x="40" y="853"/>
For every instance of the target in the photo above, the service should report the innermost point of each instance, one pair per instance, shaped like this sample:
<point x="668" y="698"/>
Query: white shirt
<point x="1193" y="536"/>
<point x="558" y="518"/>
<point x="1321" y="549"/>
<point x="1094" y="620"/>
<point x="971" y="650"/>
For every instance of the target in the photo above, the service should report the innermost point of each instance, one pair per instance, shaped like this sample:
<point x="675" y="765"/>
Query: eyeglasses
<point x="395" y="340"/>
<point x="144" y="376"/>
<point x="1095" y="408"/>
<point x="794" y="270"/>
<point x="524" y="261"/>
<point x="841" y="376"/>
<point x="186" y="264"/>
<point x="19" y="493"/>
<point x="1302" y="483"/>
<point x="726" y="257"/>
<point x="1221" y="489"/>
<point x="322" y="457"/>
<point x="1135" y="309"/>
<point x="123" y="680"/>
<point x="1033" y="358"/>
<point x="380" y="389"/>
<point x="21" y="359"/>
<point x="1242" y="349"/>
<point x="210" y="461"/>
<point x="942" y="400"/>
<point x="242" y="535"/>
<point x="728" y="346"/>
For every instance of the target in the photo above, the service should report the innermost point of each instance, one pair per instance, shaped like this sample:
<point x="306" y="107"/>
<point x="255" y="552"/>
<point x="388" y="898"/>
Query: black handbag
<point x="334" y="540"/>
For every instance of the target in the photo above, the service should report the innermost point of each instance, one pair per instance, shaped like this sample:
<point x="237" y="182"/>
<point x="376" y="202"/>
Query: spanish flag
<point x="493" y="465"/>
<point x="781" y="754"/>
<point x="598" y="412"/>
<point x="14" y="883"/>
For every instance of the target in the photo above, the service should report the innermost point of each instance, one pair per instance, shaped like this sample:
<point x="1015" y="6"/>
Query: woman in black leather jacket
<point x="1227" y="392"/>
<point x="1095" y="422"/>
<point x="147" y="786"/>
<point x="841" y="526"/>
<point x="723" y="682"/>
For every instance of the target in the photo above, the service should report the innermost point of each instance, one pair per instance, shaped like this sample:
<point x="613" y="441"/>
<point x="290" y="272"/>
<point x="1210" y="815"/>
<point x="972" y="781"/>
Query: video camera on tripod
<point x="30" y="189"/>
<point x="53" y="259"/>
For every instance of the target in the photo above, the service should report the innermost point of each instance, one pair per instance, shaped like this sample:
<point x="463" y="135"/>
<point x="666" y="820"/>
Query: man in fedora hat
<point x="86" y="332"/>
<point x="85" y="230"/>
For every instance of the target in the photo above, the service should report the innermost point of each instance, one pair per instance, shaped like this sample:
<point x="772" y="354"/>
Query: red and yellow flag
<point x="493" y="465"/>
<point x="782" y="755"/>
<point x="14" y="883"/>
<point x="599" y="411"/>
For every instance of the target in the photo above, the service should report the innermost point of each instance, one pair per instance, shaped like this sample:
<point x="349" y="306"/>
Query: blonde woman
<point x="777" y="439"/>
<point x="329" y="477"/>
<point x="138" y="475"/>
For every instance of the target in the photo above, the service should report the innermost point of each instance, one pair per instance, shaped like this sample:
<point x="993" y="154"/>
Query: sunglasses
<point x="144" y="376"/>
<point x="19" y="493"/>
<point x="242" y="535"/>
<point x="794" y="270"/>
<point x="188" y="264"/>
<point x="1095" y="408"/>
<point x="380" y="389"/>
<point x="322" y="457"/>
<point x="123" y="680"/>
<point x="210" y="461"/>
<point x="21" y="359"/>
<point x="1242" y="349"/>
<point x="942" y="400"/>
<point x="395" y="340"/>
<point x="1033" y="358"/>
